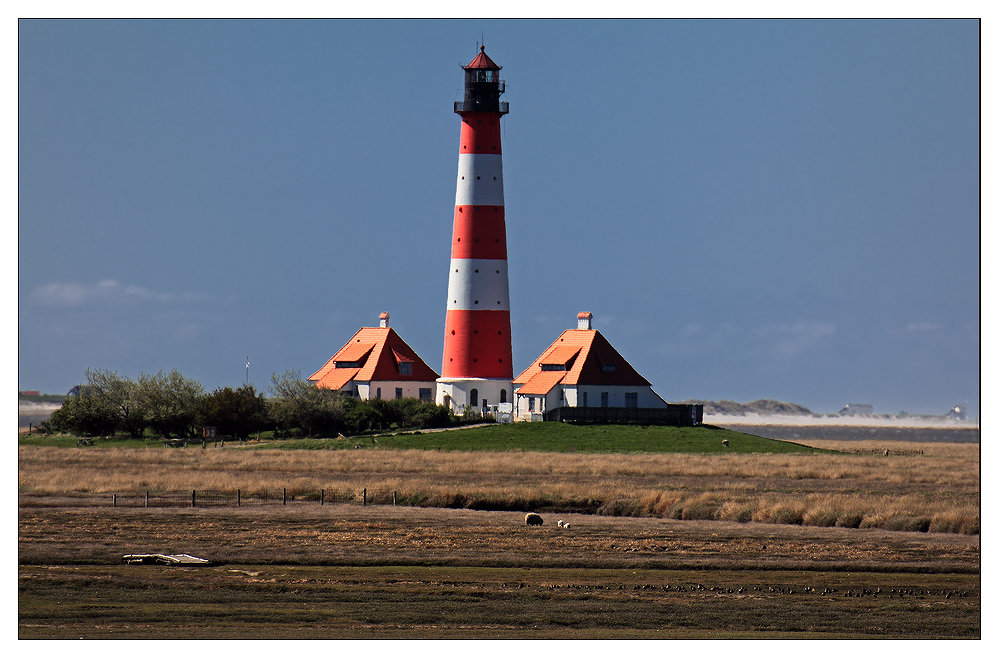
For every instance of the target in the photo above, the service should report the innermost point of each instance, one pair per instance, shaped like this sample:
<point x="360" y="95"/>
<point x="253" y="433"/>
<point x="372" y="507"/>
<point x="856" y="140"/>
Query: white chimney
<point x="583" y="320"/>
<point x="383" y="319"/>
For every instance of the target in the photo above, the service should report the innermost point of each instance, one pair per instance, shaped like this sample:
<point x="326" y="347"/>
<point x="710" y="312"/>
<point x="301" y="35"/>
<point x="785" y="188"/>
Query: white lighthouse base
<point x="474" y="394"/>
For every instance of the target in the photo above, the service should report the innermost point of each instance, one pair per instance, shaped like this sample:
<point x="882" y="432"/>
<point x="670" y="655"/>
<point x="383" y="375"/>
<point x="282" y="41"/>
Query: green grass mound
<point x="548" y="436"/>
<point x="570" y="438"/>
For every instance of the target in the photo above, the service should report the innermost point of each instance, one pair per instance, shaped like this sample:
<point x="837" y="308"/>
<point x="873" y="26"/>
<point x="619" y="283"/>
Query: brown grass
<point x="406" y="572"/>
<point x="935" y="491"/>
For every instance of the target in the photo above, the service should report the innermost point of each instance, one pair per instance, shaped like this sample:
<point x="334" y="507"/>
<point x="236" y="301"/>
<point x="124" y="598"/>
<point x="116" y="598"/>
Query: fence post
<point x="322" y="497"/>
<point x="284" y="496"/>
<point x="192" y="498"/>
<point x="394" y="497"/>
<point x="364" y="497"/>
<point x="114" y="500"/>
<point x="237" y="497"/>
<point x="147" y="498"/>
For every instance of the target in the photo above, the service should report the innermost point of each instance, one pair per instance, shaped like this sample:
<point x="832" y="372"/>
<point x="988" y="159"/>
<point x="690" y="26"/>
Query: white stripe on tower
<point x="480" y="180"/>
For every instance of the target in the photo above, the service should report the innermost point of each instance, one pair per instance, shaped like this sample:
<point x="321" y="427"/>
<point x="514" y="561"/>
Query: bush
<point x="787" y="516"/>
<point x="849" y="520"/>
<point x="169" y="403"/>
<point x="701" y="510"/>
<point x="620" y="507"/>
<point x="907" y="523"/>
<point x="234" y="412"/>
<point x="88" y="414"/>
<point x="820" y="518"/>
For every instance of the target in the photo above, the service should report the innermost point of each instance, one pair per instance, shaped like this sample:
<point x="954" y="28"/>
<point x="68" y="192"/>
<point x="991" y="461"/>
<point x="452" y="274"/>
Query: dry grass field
<point x="937" y="490"/>
<point x="661" y="545"/>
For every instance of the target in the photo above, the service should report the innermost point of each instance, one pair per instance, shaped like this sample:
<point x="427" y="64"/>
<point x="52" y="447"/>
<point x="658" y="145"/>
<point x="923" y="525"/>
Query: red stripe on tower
<point x="477" y="369"/>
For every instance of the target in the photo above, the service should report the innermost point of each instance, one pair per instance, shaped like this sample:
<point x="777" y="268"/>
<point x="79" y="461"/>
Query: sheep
<point x="566" y="525"/>
<point x="559" y="523"/>
<point x="725" y="442"/>
<point x="532" y="519"/>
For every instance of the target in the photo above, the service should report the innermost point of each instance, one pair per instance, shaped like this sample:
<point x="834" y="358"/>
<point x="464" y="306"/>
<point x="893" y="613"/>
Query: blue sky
<point x="751" y="209"/>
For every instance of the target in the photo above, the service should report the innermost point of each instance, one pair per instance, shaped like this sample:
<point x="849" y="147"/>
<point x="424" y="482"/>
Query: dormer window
<point x="406" y="368"/>
<point x="553" y="367"/>
<point x="348" y="364"/>
<point x="607" y="367"/>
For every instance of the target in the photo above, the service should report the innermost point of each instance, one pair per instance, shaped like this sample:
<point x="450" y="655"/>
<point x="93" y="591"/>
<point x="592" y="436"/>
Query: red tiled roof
<point x="482" y="61"/>
<point x="400" y="357"/>
<point x="541" y="383"/>
<point x="353" y="352"/>
<point x="336" y="378"/>
<point x="378" y="351"/>
<point x="559" y="354"/>
<point x="595" y="352"/>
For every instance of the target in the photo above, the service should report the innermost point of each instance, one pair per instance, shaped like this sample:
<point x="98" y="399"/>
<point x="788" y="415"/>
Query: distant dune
<point x="872" y="421"/>
<point x="778" y="413"/>
<point x="758" y="407"/>
<point x="34" y="413"/>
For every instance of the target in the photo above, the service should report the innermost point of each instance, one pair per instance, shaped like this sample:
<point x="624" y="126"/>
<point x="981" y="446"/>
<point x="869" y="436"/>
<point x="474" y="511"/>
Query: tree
<point x="170" y="403"/>
<point x="122" y="396"/>
<point x="234" y="412"/>
<point x="316" y="411"/>
<point x="87" y="414"/>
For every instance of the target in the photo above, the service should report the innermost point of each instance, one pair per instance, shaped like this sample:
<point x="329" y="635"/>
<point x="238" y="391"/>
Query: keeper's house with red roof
<point x="377" y="363"/>
<point x="581" y="377"/>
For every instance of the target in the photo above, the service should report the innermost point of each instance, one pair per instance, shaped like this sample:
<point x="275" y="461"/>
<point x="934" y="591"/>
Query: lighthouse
<point x="477" y="372"/>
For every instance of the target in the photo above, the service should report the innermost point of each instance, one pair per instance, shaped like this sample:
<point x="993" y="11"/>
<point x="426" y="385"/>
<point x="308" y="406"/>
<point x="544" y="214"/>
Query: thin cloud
<point x="923" y="327"/>
<point x="103" y="293"/>
<point x="792" y="339"/>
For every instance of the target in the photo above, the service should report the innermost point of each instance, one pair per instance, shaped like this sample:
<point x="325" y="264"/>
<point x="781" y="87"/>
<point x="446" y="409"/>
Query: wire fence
<point x="239" y="498"/>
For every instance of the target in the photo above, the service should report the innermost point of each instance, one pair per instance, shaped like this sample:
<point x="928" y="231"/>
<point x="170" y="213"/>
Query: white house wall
<point x="369" y="390"/>
<point x="646" y="397"/>
<point x="616" y="396"/>
<point x="459" y="392"/>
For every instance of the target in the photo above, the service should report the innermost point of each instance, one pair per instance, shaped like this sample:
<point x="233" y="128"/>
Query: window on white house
<point x="425" y="395"/>
<point x="604" y="399"/>
<point x="584" y="399"/>
<point x="531" y="403"/>
<point x="378" y="393"/>
<point x="632" y="399"/>
<point x="399" y="393"/>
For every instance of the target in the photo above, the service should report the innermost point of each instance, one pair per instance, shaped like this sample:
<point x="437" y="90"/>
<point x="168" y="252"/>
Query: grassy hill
<point x="565" y="438"/>
<point x="547" y="437"/>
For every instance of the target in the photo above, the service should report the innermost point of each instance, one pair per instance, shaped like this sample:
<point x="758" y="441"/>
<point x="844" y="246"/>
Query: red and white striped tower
<point x="477" y="369"/>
